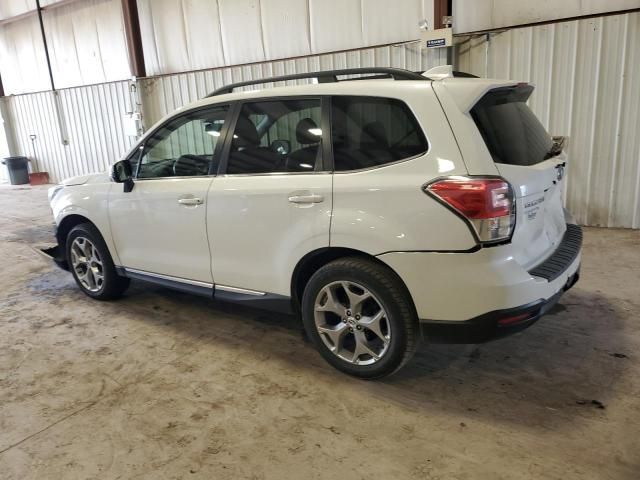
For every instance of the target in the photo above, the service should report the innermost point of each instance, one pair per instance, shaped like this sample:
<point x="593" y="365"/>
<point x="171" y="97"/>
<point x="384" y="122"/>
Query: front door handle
<point x="190" y="201"/>
<point x="305" y="197"/>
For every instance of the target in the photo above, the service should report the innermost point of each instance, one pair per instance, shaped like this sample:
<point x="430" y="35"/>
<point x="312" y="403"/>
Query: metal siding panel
<point x="335" y="25"/>
<point x="14" y="8"/>
<point x="607" y="123"/>
<point x="385" y="22"/>
<point x="499" y="53"/>
<point x="495" y="14"/>
<point x="625" y="194"/>
<point x="542" y="70"/>
<point x="520" y="61"/>
<point x="241" y="28"/>
<point x="94" y="129"/>
<point x="285" y="28"/>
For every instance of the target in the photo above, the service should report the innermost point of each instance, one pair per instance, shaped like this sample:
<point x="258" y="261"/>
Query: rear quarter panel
<point x="384" y="209"/>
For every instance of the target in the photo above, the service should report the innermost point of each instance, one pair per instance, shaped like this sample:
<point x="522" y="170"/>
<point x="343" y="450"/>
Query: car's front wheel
<point x="360" y="317"/>
<point x="91" y="264"/>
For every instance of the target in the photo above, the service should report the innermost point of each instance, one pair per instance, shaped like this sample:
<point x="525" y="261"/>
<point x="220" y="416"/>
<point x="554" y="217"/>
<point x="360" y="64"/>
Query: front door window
<point x="184" y="147"/>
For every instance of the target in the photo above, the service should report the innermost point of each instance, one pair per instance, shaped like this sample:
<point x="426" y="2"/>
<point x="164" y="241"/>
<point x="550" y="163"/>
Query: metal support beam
<point x="134" y="39"/>
<point x="440" y="9"/>
<point x="44" y="43"/>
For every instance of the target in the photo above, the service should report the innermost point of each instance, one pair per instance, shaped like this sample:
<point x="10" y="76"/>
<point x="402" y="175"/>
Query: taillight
<point x="486" y="203"/>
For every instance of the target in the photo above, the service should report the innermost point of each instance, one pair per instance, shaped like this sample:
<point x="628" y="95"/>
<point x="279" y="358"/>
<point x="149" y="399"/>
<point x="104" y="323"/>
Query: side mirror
<point x="282" y="147"/>
<point x="121" y="172"/>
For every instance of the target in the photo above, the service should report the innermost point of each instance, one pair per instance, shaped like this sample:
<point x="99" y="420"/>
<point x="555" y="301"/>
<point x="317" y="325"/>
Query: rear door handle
<point x="305" y="197"/>
<point x="190" y="201"/>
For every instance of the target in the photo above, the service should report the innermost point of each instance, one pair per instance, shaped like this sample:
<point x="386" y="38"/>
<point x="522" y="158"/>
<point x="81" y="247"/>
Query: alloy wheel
<point x="87" y="264"/>
<point x="352" y="323"/>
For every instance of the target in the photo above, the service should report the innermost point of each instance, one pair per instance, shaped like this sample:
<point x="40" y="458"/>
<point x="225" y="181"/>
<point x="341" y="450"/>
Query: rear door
<point x="527" y="157"/>
<point x="272" y="202"/>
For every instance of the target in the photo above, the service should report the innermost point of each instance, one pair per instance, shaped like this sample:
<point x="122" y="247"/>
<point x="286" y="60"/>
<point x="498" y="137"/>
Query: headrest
<point x="307" y="132"/>
<point x="374" y="135"/>
<point x="245" y="135"/>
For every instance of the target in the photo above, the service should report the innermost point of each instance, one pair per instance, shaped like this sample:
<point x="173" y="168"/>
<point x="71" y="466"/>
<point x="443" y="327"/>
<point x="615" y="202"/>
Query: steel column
<point x="440" y="9"/>
<point x="134" y="39"/>
<point x="44" y="42"/>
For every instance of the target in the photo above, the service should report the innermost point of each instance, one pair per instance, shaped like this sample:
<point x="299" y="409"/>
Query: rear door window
<point x="280" y="136"/>
<point x="511" y="131"/>
<point x="369" y="132"/>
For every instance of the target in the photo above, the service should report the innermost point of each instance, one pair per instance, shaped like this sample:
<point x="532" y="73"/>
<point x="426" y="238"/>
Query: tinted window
<point x="277" y="136"/>
<point x="512" y="132"/>
<point x="368" y="132"/>
<point x="185" y="146"/>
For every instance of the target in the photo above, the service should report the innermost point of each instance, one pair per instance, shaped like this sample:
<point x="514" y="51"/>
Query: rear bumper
<point x="494" y="324"/>
<point x="473" y="297"/>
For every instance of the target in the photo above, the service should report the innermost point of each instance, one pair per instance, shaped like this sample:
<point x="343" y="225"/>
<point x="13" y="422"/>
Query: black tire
<point x="113" y="285"/>
<point x="391" y="295"/>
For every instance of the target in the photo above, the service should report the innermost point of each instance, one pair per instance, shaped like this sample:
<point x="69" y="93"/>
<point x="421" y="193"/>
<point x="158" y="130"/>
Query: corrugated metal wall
<point x="587" y="77"/>
<point x="92" y="121"/>
<point x="587" y="74"/>
<point x="218" y="33"/>
<point x="93" y="115"/>
<point x="86" y="42"/>
<point x="163" y="94"/>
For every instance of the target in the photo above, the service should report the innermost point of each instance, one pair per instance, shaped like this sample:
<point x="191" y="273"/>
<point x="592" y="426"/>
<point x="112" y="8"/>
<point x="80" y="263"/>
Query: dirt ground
<point x="163" y="385"/>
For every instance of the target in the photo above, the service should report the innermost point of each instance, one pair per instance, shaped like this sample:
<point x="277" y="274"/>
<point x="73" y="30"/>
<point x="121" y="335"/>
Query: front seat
<point x="247" y="156"/>
<point x="308" y="135"/>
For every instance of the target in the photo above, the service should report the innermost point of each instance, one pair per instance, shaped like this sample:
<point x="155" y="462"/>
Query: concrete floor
<point x="166" y="385"/>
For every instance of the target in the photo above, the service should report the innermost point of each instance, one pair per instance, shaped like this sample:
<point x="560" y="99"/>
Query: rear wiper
<point x="559" y="144"/>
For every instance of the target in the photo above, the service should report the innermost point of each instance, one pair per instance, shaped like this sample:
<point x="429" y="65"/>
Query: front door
<point x="272" y="203"/>
<point x="160" y="226"/>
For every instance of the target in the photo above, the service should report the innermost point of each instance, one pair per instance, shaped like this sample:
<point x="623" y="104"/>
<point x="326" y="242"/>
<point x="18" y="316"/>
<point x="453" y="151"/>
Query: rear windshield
<point x="512" y="132"/>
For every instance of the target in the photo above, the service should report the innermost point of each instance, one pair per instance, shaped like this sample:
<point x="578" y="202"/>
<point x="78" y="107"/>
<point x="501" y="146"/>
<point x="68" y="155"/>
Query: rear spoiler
<point x="466" y="91"/>
<point x="445" y="71"/>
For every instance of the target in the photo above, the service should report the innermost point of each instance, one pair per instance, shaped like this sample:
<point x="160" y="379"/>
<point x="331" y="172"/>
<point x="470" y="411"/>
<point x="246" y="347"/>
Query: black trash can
<point x="18" y="169"/>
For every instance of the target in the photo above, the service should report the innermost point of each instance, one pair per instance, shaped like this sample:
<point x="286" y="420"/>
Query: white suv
<point x="382" y="209"/>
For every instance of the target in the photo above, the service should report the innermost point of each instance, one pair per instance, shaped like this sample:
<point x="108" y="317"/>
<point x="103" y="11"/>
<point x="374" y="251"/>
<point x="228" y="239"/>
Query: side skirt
<point x="266" y="301"/>
<point x="188" y="286"/>
<point x="249" y="298"/>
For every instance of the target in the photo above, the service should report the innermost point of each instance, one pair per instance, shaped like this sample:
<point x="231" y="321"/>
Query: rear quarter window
<point x="512" y="132"/>
<point x="369" y="132"/>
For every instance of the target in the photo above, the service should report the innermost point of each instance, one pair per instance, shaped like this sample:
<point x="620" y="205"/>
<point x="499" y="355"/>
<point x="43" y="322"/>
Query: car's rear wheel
<point x="91" y="264"/>
<point x="360" y="317"/>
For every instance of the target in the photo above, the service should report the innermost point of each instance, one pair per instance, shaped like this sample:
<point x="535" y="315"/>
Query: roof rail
<point x="328" y="76"/>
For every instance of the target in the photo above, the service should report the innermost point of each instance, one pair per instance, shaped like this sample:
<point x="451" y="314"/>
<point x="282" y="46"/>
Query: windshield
<point x="511" y="131"/>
